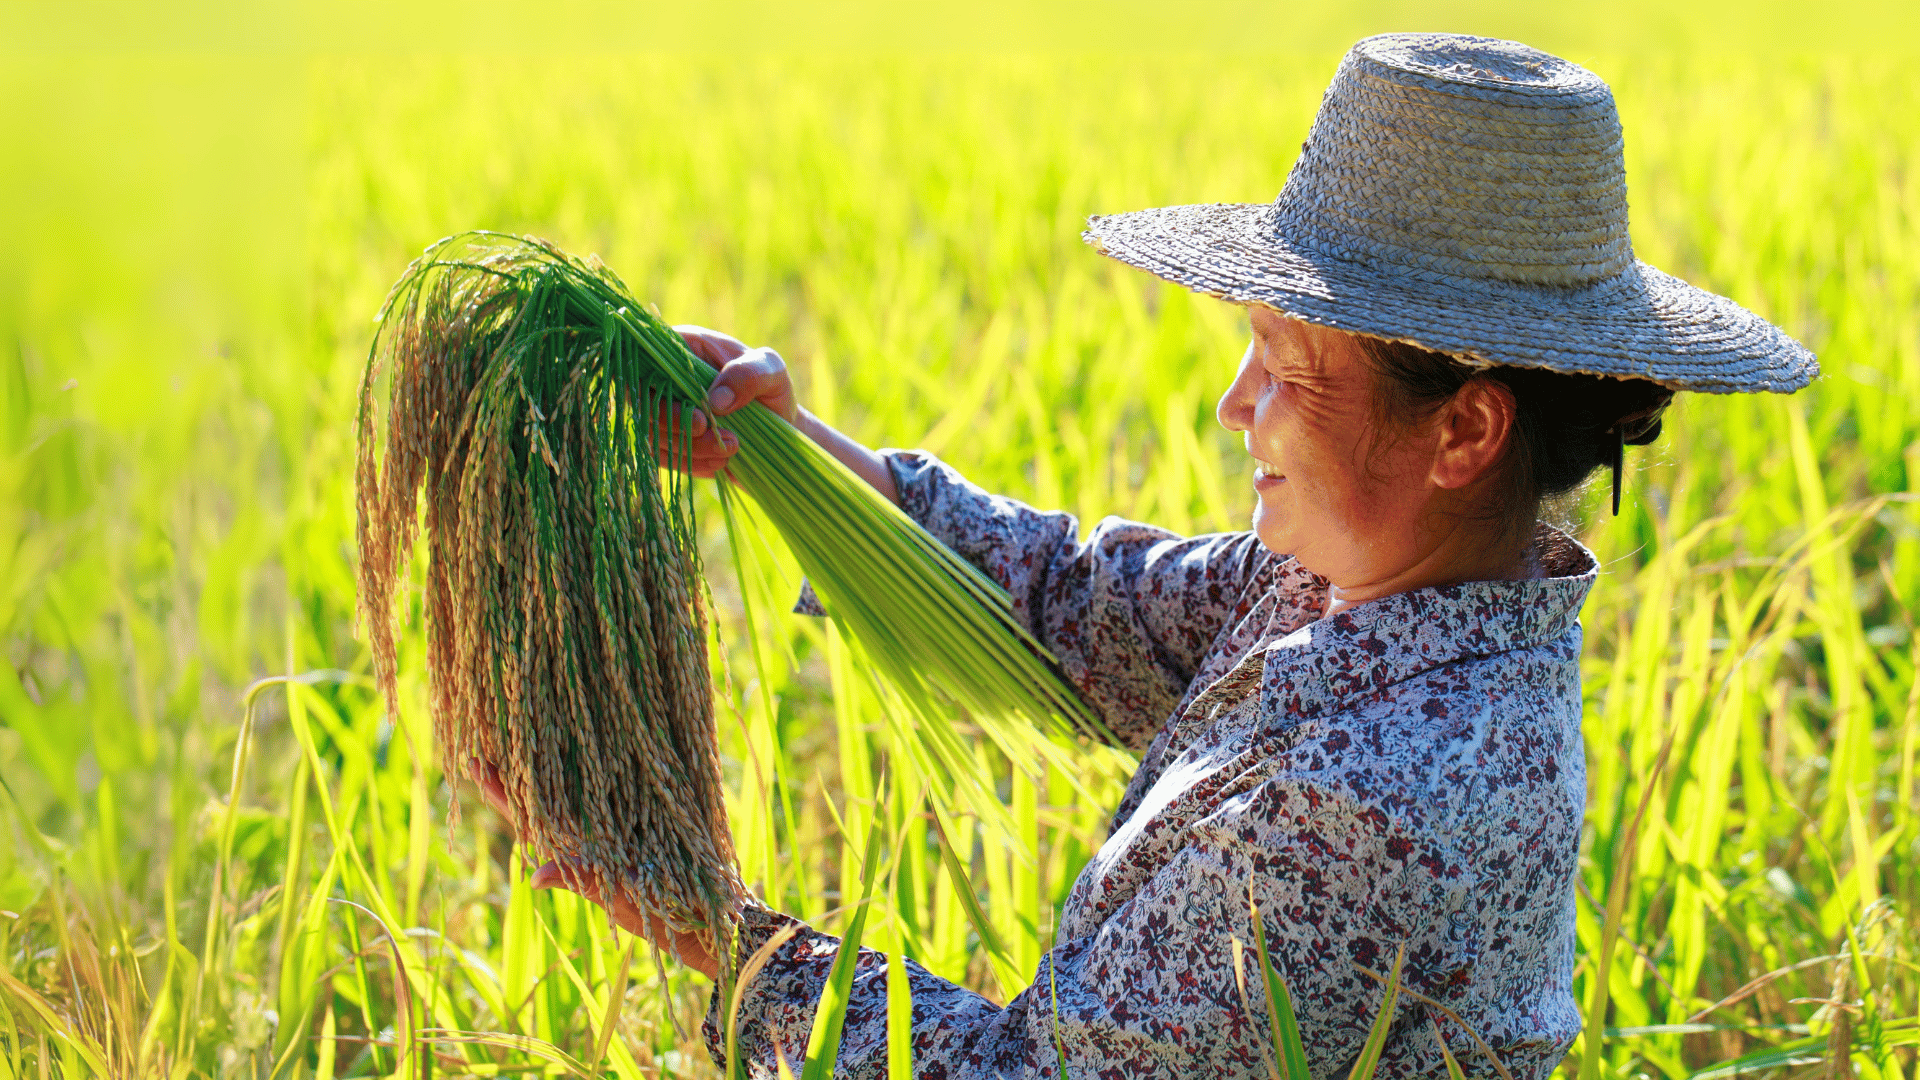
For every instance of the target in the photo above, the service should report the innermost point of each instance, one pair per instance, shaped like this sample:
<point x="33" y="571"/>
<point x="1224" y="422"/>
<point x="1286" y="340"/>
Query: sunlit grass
<point x="178" y="523"/>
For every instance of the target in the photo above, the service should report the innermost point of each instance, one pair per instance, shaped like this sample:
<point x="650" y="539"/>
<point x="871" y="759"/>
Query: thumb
<point x="757" y="375"/>
<point x="566" y="874"/>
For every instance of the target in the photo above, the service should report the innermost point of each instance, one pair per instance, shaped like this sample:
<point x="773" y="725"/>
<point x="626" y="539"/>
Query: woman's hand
<point x="748" y="375"/>
<point x="577" y="879"/>
<point x="744" y="375"/>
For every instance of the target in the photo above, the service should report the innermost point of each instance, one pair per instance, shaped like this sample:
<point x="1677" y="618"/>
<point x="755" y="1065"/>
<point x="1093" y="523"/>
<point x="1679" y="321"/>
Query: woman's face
<point x="1331" y="492"/>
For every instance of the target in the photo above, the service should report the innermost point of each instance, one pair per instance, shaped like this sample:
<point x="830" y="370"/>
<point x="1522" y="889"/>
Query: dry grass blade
<point x="1498" y="1066"/>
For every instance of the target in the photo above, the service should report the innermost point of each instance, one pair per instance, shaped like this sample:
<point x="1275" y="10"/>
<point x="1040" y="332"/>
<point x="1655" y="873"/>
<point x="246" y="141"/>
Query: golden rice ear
<point x="564" y="619"/>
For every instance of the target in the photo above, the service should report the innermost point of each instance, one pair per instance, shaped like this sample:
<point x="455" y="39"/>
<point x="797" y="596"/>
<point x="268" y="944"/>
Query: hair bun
<point x="1645" y="436"/>
<point x="1642" y="427"/>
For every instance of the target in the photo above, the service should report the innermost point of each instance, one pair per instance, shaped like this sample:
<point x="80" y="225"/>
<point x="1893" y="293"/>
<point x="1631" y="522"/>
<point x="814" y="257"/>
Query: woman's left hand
<point x="568" y="875"/>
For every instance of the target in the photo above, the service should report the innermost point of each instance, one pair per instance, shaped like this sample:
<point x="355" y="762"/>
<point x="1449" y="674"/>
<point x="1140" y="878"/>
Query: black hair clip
<point x="1646" y="428"/>
<point x="1619" y="458"/>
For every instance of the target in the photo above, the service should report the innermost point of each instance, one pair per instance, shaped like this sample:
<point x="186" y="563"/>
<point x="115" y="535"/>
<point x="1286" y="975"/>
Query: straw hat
<point x="1468" y="195"/>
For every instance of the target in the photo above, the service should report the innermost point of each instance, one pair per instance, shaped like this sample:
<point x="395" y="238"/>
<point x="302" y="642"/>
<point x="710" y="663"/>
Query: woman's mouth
<point x="1266" y="475"/>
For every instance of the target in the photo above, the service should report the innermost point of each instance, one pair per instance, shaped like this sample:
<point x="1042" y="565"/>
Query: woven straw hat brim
<point x="1632" y="325"/>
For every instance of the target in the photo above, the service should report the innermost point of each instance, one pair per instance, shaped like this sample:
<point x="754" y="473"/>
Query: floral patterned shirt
<point x="1408" y="772"/>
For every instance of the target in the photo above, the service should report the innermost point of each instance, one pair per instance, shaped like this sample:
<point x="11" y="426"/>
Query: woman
<point x="1364" y="714"/>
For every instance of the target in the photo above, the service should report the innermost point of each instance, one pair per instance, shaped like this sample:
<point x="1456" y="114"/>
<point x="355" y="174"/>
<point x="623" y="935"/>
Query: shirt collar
<point x="1381" y="642"/>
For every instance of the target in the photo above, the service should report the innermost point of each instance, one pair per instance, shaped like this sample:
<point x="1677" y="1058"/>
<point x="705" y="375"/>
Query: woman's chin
<point x="1271" y="529"/>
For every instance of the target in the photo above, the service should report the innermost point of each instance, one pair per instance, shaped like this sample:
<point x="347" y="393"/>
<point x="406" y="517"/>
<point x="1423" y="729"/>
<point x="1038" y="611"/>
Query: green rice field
<point x="202" y="879"/>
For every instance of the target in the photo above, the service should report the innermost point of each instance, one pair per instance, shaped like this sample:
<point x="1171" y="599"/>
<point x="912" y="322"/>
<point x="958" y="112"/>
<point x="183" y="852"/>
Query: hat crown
<point x="1453" y="157"/>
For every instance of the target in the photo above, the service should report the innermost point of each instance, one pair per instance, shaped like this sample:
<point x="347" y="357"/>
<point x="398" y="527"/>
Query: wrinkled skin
<point x="1374" y="511"/>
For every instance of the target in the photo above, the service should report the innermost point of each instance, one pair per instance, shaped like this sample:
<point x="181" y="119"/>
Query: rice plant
<point x="565" y="629"/>
<point x="179" y="523"/>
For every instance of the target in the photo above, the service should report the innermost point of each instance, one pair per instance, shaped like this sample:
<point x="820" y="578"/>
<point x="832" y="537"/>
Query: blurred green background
<point x="203" y="204"/>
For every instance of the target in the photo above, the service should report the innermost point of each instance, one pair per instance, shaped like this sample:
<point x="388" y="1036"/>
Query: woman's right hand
<point x="743" y="376"/>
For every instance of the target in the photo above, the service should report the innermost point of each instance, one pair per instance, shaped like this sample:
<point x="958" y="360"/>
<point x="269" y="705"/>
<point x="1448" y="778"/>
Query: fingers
<point x="565" y="875"/>
<point x="689" y="442"/>
<point x="493" y="792"/>
<point x="688" y="438"/>
<point x="757" y="375"/>
<point x="712" y="346"/>
<point x="571" y="876"/>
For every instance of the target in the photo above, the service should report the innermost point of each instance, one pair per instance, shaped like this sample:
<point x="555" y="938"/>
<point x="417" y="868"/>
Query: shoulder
<point x="1451" y="757"/>
<point x="1442" y="739"/>
<point x="1455" y="790"/>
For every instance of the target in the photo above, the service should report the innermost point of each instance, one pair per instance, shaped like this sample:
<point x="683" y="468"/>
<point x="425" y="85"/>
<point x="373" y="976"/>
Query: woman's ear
<point x="1472" y="433"/>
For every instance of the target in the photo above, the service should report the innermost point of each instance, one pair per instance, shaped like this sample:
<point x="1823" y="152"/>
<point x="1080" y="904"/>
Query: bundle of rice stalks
<point x="566" y="632"/>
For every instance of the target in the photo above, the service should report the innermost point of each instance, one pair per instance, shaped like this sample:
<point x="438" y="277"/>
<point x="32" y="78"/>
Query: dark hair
<point x="1565" y="425"/>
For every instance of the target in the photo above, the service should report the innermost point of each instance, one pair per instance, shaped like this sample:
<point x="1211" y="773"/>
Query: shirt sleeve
<point x="1151" y="993"/>
<point x="1130" y="612"/>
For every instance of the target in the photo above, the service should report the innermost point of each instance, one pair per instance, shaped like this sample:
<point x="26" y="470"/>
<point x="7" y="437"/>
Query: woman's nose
<point x="1235" y="411"/>
<point x="1227" y="413"/>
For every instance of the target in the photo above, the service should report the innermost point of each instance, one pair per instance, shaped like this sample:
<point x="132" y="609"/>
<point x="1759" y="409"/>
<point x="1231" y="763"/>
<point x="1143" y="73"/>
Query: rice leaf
<point x="1053" y="994"/>
<point x="830" y="1015"/>
<point x="1240" y="981"/>
<point x="323" y="1066"/>
<point x="1622" y="860"/>
<point x="302" y="961"/>
<point x="738" y="991"/>
<point x="1377" y="1038"/>
<point x="1803" y="1051"/>
<point x="899" y="1018"/>
<point x="1288" y="1051"/>
<point x="1004" y="971"/>
<point x="53" y="1023"/>
<point x="899" y="984"/>
<point x="1409" y="992"/>
<point x="525" y="1044"/>
<point x="616" y="996"/>
<point x="621" y="1060"/>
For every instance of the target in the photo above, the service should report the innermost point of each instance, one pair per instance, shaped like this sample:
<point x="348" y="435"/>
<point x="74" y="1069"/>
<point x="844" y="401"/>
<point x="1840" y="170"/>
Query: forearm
<point x="1129" y="612"/>
<point x="865" y="463"/>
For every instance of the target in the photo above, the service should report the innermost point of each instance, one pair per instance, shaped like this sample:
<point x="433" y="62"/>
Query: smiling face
<point x="1333" y="492"/>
